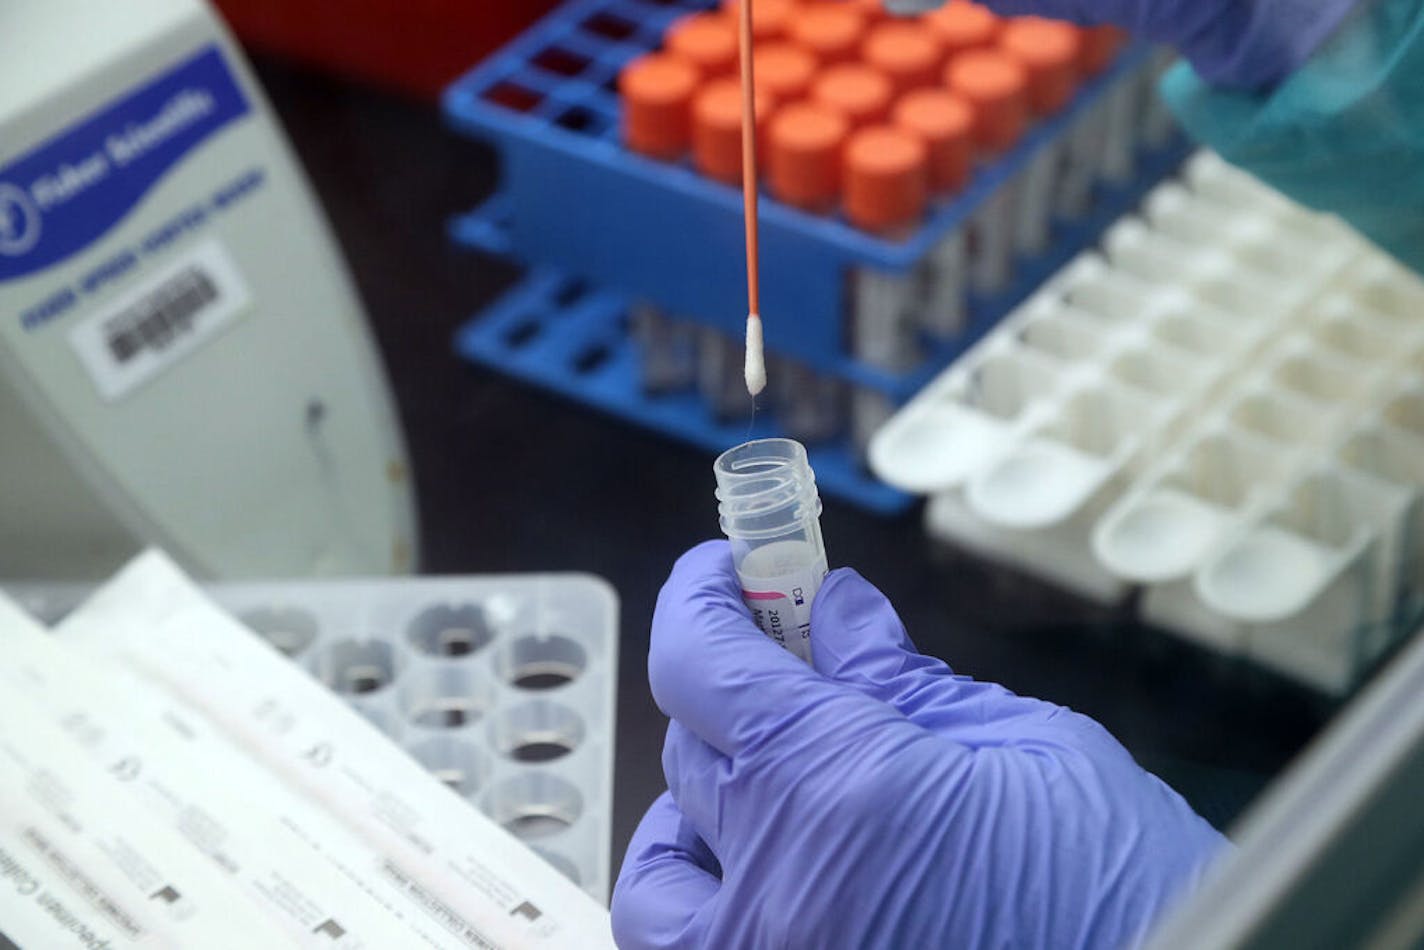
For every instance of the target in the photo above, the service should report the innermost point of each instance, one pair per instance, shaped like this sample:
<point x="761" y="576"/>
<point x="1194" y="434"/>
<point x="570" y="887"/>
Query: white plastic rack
<point x="1224" y="407"/>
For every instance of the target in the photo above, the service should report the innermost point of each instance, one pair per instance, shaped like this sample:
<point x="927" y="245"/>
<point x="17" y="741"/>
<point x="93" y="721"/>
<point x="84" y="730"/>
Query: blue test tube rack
<point x="600" y="227"/>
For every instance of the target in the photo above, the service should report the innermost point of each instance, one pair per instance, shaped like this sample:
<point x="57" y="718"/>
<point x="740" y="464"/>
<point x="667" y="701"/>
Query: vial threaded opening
<point x="764" y="488"/>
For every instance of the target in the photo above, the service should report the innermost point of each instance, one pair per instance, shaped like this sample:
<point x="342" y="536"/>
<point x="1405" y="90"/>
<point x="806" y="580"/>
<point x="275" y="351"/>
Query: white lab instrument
<point x="183" y="360"/>
<point x="772" y="514"/>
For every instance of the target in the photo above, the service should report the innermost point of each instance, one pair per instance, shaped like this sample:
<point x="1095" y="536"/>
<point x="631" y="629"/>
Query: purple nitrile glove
<point x="1241" y="44"/>
<point x="879" y="800"/>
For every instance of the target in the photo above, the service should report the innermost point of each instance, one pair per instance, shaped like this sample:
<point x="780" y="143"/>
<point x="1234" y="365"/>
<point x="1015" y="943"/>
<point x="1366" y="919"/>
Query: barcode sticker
<point x="161" y="321"/>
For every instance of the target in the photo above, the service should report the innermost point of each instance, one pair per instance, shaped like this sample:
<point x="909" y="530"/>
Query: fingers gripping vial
<point x="770" y="511"/>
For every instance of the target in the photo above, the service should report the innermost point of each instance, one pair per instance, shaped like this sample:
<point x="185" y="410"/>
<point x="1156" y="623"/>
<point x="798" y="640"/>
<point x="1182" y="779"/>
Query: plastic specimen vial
<point x="771" y="513"/>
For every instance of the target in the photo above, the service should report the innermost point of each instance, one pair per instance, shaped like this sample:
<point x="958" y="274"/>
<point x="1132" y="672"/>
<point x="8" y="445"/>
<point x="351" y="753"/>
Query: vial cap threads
<point x="765" y="488"/>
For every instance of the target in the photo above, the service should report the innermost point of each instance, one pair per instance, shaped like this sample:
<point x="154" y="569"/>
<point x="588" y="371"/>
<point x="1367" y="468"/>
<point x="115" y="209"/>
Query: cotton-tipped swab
<point x="755" y="369"/>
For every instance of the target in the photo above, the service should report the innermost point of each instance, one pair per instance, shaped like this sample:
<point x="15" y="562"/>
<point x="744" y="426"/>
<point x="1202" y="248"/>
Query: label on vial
<point x="780" y="602"/>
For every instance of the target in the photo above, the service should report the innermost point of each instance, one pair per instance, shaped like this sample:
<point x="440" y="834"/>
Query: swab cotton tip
<point x="755" y="370"/>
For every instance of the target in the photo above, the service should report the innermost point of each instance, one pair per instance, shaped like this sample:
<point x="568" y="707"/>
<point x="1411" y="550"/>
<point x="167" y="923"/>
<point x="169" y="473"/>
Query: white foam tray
<point x="1224" y="407"/>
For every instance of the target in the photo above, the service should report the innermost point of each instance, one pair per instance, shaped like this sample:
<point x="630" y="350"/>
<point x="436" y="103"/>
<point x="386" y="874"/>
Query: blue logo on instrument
<point x="70" y="191"/>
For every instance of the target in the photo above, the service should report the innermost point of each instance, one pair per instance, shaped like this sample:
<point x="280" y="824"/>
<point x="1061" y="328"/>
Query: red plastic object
<point x="416" y="46"/>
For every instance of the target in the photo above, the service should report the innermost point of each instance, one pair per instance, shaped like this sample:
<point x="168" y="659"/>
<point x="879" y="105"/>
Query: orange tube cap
<point x="859" y="93"/>
<point x="657" y="92"/>
<point x="996" y="87"/>
<point x="707" y="40"/>
<point x="783" y="70"/>
<point x="1049" y="52"/>
<point x="960" y="25"/>
<point x="770" y="18"/>
<point x="804" y="155"/>
<point x="945" y="123"/>
<point x="1100" y="45"/>
<point x="905" y="52"/>
<point x="886" y="178"/>
<point x="830" y="31"/>
<point x="717" y="128"/>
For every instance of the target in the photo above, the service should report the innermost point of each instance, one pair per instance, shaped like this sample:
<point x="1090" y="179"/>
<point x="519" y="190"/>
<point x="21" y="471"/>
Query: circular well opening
<point x="541" y="662"/>
<point x="459" y="764"/>
<point x="452" y="630"/>
<point x="536" y="731"/>
<point x="534" y="805"/>
<point x="444" y="697"/>
<point x="290" y="629"/>
<point x="357" y="667"/>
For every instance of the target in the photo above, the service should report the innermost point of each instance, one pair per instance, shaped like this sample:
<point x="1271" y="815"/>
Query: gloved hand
<point x="1240" y="44"/>
<point x="879" y="800"/>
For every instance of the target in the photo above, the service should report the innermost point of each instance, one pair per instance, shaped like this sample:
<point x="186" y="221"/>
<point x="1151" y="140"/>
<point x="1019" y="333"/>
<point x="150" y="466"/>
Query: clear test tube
<point x="1118" y="158"/>
<point x="870" y="409"/>
<point x="1156" y="121"/>
<point x="883" y="331"/>
<point x="885" y="335"/>
<point x="945" y="307"/>
<point x="1049" y="51"/>
<point x="991" y="248"/>
<point x="996" y="87"/>
<point x="771" y="513"/>
<point x="1033" y="212"/>
<point x="946" y="123"/>
<point x="668" y="348"/>
<point x="811" y="406"/>
<point x="720" y="373"/>
<point x="1074" y="193"/>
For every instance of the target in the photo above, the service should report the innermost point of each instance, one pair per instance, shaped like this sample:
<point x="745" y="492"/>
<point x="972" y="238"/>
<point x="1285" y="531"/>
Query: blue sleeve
<point x="1344" y="133"/>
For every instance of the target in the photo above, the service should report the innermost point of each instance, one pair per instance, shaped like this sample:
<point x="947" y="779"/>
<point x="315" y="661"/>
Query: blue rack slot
<point x="577" y="344"/>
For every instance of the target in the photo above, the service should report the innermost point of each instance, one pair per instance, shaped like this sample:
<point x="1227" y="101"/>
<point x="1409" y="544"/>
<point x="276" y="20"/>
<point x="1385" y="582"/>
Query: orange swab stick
<point x="755" y="367"/>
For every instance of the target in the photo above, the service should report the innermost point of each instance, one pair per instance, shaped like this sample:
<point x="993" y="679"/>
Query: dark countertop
<point x="513" y="479"/>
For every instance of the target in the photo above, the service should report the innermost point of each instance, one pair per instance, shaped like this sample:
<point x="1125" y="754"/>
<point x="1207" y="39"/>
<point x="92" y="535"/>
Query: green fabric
<point x="1345" y="133"/>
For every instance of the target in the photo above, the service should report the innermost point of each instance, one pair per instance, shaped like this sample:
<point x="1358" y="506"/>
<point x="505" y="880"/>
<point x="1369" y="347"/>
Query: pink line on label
<point x="762" y="595"/>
